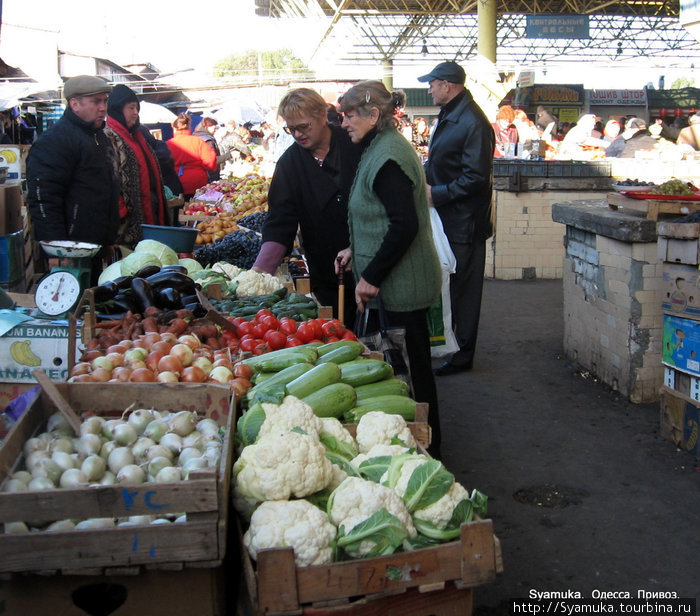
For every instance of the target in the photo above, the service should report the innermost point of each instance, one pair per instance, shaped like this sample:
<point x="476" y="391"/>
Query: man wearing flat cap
<point x="459" y="171"/>
<point x="72" y="191"/>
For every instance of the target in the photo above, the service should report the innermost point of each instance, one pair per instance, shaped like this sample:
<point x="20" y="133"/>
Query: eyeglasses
<point x="297" y="128"/>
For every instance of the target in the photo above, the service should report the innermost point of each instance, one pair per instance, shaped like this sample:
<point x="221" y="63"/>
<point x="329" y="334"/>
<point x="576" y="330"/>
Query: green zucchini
<point x="332" y="400"/>
<point x="342" y="354"/>
<point x="319" y="376"/>
<point x="306" y="350"/>
<point x="386" y="387"/>
<point x="391" y="404"/>
<point x="278" y="378"/>
<point x="368" y="371"/>
<point x="280" y="362"/>
<point x="332" y="346"/>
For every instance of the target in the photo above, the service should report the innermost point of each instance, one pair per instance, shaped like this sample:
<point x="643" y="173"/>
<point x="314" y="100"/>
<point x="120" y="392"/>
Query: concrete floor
<point x="583" y="492"/>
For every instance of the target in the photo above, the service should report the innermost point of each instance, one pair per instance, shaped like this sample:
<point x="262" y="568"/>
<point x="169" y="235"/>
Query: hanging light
<point x="619" y="49"/>
<point x="424" y="49"/>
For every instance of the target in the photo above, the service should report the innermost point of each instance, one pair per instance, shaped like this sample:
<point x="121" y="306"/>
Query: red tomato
<point x="317" y="326"/>
<point x="333" y="328"/>
<point x="288" y="325"/>
<point x="248" y="343"/>
<point x="293" y="341"/>
<point x="348" y="335"/>
<point x="242" y="370"/>
<point x="258" y="330"/>
<point x="244" y="328"/>
<point x="305" y="332"/>
<point x="275" y="340"/>
<point x="261" y="347"/>
<point x="263" y="313"/>
<point x="271" y="322"/>
<point x="238" y="320"/>
<point x="328" y="339"/>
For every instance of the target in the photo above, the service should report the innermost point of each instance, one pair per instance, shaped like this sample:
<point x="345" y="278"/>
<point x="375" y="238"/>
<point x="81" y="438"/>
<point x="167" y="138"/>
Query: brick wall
<point x="613" y="322"/>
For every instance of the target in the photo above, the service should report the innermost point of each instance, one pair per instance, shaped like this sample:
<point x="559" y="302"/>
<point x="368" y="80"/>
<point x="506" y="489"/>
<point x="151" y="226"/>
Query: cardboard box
<point x="680" y="290"/>
<point x="35" y="344"/>
<point x="190" y="592"/>
<point x="680" y="421"/>
<point x="204" y="497"/>
<point x="681" y="344"/>
<point x="10" y="208"/>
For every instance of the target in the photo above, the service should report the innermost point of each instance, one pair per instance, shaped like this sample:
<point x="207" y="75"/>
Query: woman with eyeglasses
<point x="391" y="243"/>
<point x="309" y="192"/>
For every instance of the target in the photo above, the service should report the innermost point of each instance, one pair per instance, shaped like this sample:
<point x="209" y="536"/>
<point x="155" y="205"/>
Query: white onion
<point x="156" y="429"/>
<point x="213" y="455"/>
<point x="109" y="479"/>
<point x="14" y="485"/>
<point x="95" y="524"/>
<point x="140" y="447"/>
<point x="94" y="467"/>
<point x="207" y="426"/>
<point x="180" y="519"/>
<point x="77" y="458"/>
<point x="107" y="448"/>
<point x="88" y="444"/>
<point x="61" y="525"/>
<point x="195" y="464"/>
<point x="124" y="434"/>
<point x="46" y="467"/>
<point x="183" y="423"/>
<point x="58" y="423"/>
<point x="24" y="476"/>
<point x="194" y="439"/>
<point x="16" y="527"/>
<point x="141" y="519"/>
<point x="109" y="425"/>
<point x="131" y="475"/>
<point x="188" y="454"/>
<point x="92" y="425"/>
<point x="63" y="459"/>
<point x="208" y="439"/>
<point x="157" y="451"/>
<point x="119" y="458"/>
<point x="172" y="441"/>
<point x="41" y="483"/>
<point x="140" y="418"/>
<point x="169" y="474"/>
<point x="161" y="521"/>
<point x="62" y="444"/>
<point x="34" y="457"/>
<point x="73" y="478"/>
<point x="36" y="443"/>
<point x="157" y="464"/>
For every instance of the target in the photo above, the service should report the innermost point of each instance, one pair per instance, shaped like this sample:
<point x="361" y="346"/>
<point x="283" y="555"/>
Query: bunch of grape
<point x="239" y="248"/>
<point x="254" y="222"/>
<point x="675" y="187"/>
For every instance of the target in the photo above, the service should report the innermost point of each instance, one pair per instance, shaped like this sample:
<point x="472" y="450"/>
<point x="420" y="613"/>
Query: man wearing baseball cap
<point x="72" y="192"/>
<point x="459" y="171"/>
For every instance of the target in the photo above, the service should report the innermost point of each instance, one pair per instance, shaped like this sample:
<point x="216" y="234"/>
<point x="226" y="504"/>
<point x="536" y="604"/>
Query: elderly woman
<point x="141" y="197"/>
<point x="391" y="245"/>
<point x="193" y="158"/>
<point x="309" y="191"/>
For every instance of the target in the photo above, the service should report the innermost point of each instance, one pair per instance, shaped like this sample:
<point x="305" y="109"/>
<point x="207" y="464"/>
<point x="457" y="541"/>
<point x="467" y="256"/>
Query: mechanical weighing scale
<point x="60" y="290"/>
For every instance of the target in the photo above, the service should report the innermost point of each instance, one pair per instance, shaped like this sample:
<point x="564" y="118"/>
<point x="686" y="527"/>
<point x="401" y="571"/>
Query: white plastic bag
<point x="442" y="337"/>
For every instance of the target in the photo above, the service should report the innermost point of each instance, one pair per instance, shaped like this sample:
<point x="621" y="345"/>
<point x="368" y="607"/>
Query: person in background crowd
<point x="6" y="128"/>
<point x="459" y="171"/>
<point x="193" y="158"/>
<point x="171" y="181"/>
<point x="268" y="135"/>
<point x="421" y="131"/>
<point x="545" y="121"/>
<point x="611" y="131"/>
<point x="231" y="143"/>
<point x="391" y="244"/>
<point x="402" y="120"/>
<point x="580" y="136"/>
<point x="205" y="131"/>
<point x="334" y="118"/>
<point x="141" y="200"/>
<point x="527" y="131"/>
<point x="691" y="134"/>
<point x="635" y="138"/>
<point x="309" y="191"/>
<point x="671" y="131"/>
<point x="72" y="191"/>
<point x="281" y="141"/>
<point x="597" y="132"/>
<point x="505" y="132"/>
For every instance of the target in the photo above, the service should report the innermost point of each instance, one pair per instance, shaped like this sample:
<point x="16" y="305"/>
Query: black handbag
<point x="388" y="340"/>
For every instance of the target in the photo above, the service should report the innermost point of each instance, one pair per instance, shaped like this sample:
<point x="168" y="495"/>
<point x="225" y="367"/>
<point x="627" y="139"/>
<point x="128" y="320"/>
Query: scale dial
<point x="57" y="293"/>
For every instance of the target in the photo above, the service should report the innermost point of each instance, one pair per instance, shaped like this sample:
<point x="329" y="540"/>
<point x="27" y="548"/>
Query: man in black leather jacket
<point x="459" y="171"/>
<point x="72" y="191"/>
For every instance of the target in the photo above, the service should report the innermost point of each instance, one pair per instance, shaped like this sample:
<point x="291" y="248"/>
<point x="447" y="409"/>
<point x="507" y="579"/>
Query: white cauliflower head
<point x="332" y="426"/>
<point x="280" y="465"/>
<point x="256" y="283"/>
<point x="379" y="451"/>
<point x="291" y="413"/>
<point x="440" y="512"/>
<point x="297" y="524"/>
<point x="376" y="428"/>
<point x="407" y="469"/>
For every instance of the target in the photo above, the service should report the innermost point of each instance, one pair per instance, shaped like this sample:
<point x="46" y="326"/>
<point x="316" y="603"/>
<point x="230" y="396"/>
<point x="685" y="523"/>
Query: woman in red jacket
<point x="192" y="156"/>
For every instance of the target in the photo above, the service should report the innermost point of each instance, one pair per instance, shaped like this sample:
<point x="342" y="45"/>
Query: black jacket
<point x="460" y="170"/>
<point x="71" y="189"/>
<point x="303" y="193"/>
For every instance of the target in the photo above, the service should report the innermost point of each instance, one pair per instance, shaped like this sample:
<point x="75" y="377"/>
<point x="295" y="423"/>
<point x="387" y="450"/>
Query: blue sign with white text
<point x="557" y="26"/>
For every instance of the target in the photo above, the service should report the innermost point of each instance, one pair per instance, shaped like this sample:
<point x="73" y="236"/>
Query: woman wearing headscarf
<point x="193" y="158"/>
<point x="141" y="198"/>
<point x="391" y="243"/>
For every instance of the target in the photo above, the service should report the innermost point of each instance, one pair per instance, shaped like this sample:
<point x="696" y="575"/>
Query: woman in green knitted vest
<point x="391" y="245"/>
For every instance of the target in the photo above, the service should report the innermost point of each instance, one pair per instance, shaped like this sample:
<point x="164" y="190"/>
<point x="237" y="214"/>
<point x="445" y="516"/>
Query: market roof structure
<point x="644" y="31"/>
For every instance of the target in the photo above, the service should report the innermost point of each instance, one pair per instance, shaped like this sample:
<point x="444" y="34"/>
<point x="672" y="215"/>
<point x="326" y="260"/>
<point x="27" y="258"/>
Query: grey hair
<point x="365" y="95"/>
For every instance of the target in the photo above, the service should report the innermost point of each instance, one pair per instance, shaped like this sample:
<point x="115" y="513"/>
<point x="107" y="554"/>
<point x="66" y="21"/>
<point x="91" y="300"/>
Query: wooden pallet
<point x="204" y="497"/>
<point x="652" y="207"/>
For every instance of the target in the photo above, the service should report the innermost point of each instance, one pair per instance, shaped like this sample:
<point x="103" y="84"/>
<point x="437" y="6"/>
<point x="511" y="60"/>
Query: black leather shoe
<point x="449" y="368"/>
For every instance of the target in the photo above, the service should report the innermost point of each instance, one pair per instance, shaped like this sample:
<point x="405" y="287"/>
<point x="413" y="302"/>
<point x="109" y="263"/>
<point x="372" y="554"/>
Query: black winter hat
<point x="120" y="96"/>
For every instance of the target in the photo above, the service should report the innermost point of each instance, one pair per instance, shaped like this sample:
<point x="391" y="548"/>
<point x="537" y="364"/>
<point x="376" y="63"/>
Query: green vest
<point x="414" y="283"/>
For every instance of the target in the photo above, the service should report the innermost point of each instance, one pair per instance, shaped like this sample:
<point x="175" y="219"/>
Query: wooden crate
<point x="652" y="208"/>
<point x="204" y="497"/>
<point x="387" y="585"/>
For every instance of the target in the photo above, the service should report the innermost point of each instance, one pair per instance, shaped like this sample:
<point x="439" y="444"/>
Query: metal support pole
<point x="388" y="74"/>
<point x="486" y="13"/>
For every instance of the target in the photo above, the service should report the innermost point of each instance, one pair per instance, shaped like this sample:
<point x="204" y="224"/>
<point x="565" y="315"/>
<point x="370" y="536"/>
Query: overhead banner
<point x="617" y="97"/>
<point x="557" y="26"/>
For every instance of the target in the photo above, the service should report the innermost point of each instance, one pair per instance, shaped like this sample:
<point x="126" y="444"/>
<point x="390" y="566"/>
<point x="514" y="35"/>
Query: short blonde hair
<point x="367" y="94"/>
<point x="302" y="102"/>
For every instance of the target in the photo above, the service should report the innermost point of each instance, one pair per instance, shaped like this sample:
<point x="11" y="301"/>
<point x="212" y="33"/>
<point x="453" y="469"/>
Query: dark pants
<point x="466" y="286"/>
<point x="418" y="347"/>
